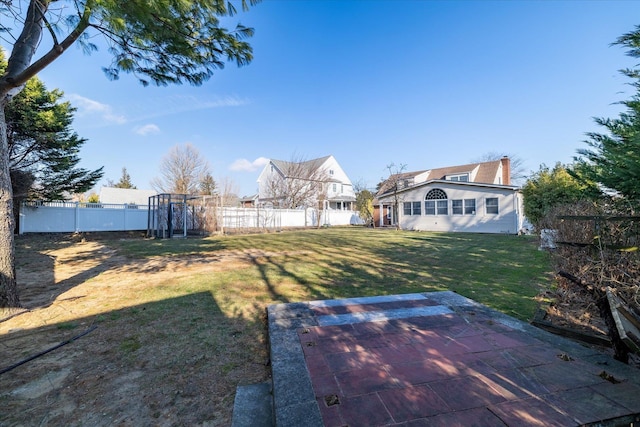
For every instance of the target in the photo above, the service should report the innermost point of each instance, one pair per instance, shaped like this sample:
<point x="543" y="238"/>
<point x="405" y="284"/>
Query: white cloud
<point x="146" y="129"/>
<point x="89" y="107"/>
<point x="244" y="165"/>
<point x="224" y="101"/>
<point x="185" y="104"/>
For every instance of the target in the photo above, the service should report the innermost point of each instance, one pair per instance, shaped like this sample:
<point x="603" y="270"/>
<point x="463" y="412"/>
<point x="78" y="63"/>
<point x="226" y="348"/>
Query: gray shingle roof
<point x="308" y="166"/>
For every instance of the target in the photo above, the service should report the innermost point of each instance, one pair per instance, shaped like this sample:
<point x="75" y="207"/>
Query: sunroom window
<point x="492" y="205"/>
<point x="456" y="207"/>
<point x="469" y="206"/>
<point x="463" y="207"/>
<point x="436" y="203"/>
<point x="412" y="208"/>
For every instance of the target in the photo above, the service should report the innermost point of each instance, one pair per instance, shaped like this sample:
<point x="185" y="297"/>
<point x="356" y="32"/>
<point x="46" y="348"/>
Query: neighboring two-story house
<point x="299" y="184"/>
<point x="475" y="197"/>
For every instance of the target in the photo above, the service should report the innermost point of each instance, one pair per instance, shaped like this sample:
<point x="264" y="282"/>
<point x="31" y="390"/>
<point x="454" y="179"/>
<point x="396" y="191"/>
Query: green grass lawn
<point x="182" y="322"/>
<point x="502" y="271"/>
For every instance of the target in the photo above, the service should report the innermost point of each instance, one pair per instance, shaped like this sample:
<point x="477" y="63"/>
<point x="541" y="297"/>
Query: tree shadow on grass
<point x="281" y="264"/>
<point x="35" y="268"/>
<point x="39" y="286"/>
<point x="173" y="361"/>
<point x="502" y="271"/>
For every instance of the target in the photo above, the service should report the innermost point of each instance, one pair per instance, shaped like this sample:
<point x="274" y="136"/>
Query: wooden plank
<point x="620" y="248"/>
<point x="599" y="217"/>
<point x="629" y="333"/>
<point x="540" y="322"/>
<point x="629" y="313"/>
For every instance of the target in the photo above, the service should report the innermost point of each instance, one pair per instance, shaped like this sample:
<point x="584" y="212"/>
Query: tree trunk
<point x="19" y="70"/>
<point x="8" y="288"/>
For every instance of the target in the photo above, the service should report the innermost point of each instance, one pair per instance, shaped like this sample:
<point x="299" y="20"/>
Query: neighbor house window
<point x="492" y="205"/>
<point x="456" y="207"/>
<point x="469" y="206"/>
<point x="407" y="208"/>
<point x="417" y="208"/>
<point x="436" y="203"/>
<point x="442" y="208"/>
<point x="430" y="207"/>
<point x="463" y="177"/>
<point x="463" y="207"/>
<point x="412" y="208"/>
<point x="335" y="188"/>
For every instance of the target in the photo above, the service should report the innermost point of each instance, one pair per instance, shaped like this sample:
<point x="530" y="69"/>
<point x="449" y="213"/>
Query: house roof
<point x="486" y="171"/>
<point x="308" y="166"/>
<point x="447" y="182"/>
<point x="482" y="172"/>
<point x="252" y="197"/>
<point x="388" y="184"/>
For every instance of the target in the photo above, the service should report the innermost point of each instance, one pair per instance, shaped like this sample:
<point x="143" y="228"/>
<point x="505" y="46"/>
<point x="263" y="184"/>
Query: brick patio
<point x="436" y="359"/>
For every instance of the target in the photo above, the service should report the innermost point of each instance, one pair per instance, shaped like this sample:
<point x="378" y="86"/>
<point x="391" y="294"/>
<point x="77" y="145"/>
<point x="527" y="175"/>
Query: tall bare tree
<point x="161" y="42"/>
<point x="393" y="185"/>
<point x="182" y="171"/>
<point x="228" y="190"/>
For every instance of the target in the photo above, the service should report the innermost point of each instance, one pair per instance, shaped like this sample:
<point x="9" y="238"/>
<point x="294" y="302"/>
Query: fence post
<point x="77" y="218"/>
<point x="184" y="216"/>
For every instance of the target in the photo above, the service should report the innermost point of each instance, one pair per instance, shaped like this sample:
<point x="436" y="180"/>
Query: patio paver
<point x="436" y="359"/>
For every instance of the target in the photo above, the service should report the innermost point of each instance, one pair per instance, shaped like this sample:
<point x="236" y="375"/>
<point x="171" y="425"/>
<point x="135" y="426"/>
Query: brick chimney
<point x="506" y="170"/>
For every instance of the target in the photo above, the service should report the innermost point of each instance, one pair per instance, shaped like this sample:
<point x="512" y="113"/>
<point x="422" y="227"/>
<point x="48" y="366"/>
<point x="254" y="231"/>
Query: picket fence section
<point x="70" y="217"/>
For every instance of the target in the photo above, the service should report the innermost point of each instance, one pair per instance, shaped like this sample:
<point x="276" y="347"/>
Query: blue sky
<point x="423" y="83"/>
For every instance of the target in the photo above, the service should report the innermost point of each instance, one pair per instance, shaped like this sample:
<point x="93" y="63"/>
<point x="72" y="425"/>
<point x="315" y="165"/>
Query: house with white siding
<point x="297" y="184"/>
<point x="475" y="198"/>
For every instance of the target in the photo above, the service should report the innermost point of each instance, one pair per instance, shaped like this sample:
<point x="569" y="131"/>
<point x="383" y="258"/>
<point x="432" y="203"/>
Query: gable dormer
<point x="458" y="177"/>
<point x="421" y="177"/>
<point x="405" y="183"/>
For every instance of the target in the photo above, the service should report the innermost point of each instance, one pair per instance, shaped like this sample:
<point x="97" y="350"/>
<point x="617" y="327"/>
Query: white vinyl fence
<point x="69" y="217"/>
<point x="278" y="218"/>
<point x="61" y="217"/>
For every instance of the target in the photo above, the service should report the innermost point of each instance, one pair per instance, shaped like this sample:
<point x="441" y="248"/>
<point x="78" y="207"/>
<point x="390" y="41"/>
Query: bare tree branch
<point x="393" y="185"/>
<point x="297" y="183"/>
<point x="182" y="171"/>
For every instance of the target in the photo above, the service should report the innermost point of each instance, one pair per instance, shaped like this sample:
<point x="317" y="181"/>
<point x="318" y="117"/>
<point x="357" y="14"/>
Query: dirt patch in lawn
<point x="155" y="352"/>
